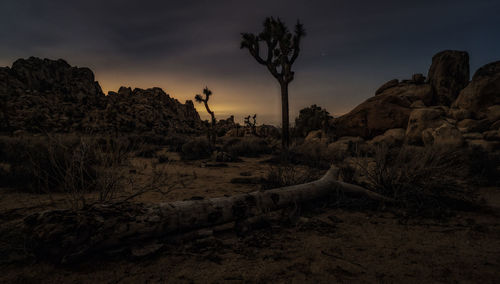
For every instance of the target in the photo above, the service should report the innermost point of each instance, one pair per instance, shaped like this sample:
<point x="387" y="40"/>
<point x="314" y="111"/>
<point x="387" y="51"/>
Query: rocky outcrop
<point x="39" y="95"/>
<point x="392" y="137"/>
<point x="420" y="120"/>
<point x="146" y="110"/>
<point x="389" y="109"/>
<point x="446" y="135"/>
<point x="482" y="92"/>
<point x="388" y="85"/>
<point x="345" y="144"/>
<point x="448" y="74"/>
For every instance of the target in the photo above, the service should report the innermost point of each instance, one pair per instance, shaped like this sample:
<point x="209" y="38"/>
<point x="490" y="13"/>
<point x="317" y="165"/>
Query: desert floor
<point x="325" y="244"/>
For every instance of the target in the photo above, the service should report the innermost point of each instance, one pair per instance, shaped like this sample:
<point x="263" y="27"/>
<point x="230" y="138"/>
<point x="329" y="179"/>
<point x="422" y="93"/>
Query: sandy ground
<point x="323" y="245"/>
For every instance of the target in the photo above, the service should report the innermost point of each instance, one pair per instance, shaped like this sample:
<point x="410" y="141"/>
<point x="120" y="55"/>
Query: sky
<point x="351" y="47"/>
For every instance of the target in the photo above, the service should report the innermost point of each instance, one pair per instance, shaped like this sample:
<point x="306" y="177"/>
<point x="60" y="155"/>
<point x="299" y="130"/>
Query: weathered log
<point x="66" y="234"/>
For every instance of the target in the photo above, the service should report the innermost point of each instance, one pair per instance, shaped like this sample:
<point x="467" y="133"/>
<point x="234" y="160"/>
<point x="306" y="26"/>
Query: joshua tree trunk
<point x="63" y="235"/>
<point x="212" y="135"/>
<point x="285" y="123"/>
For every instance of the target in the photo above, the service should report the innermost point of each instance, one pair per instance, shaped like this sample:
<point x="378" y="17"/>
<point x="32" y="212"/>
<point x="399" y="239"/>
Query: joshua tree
<point x="251" y="124"/>
<point x="211" y="132"/>
<point x="283" y="48"/>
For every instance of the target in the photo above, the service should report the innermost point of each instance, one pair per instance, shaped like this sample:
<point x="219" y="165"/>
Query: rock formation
<point x="41" y="95"/>
<point x="446" y="109"/>
<point x="448" y="74"/>
<point x="389" y="109"/>
<point x="482" y="92"/>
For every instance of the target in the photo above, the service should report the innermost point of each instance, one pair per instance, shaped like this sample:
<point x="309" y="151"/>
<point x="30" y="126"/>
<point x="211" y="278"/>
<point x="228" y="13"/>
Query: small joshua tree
<point x="283" y="48"/>
<point x="251" y="124"/>
<point x="211" y="132"/>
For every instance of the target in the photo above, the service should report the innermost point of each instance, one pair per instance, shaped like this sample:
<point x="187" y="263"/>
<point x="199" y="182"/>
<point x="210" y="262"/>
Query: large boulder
<point x="445" y="135"/>
<point x="392" y="137"/>
<point x="421" y="119"/>
<point x="57" y="77"/>
<point x="388" y="85"/>
<point x="482" y="92"/>
<point x="493" y="113"/>
<point x="448" y="74"/>
<point x="472" y="125"/>
<point x="345" y="144"/>
<point x="390" y="109"/>
<point x="316" y="136"/>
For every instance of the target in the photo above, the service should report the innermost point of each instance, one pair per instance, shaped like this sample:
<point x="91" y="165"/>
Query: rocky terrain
<point x="42" y="95"/>
<point x="446" y="108"/>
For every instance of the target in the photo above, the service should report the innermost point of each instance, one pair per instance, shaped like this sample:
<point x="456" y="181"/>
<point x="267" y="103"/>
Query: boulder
<point x="493" y="112"/>
<point x="316" y="136"/>
<point x="421" y="119"/>
<point x="345" y="144"/>
<point x="459" y="114"/>
<point x="390" y="109"/>
<point x="495" y="125"/>
<point x="392" y="137"/>
<point x="482" y="92"/>
<point x="488" y="146"/>
<point x="418" y="78"/>
<point x="418" y="104"/>
<point x="445" y="135"/>
<point x="473" y="136"/>
<point x="472" y="125"/>
<point x="387" y="85"/>
<point x="492" y="135"/>
<point x="448" y="74"/>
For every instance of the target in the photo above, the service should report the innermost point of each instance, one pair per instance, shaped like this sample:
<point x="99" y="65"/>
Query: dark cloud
<point x="351" y="47"/>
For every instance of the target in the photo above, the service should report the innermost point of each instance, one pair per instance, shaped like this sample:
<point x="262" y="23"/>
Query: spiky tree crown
<point x="207" y="92"/>
<point x="283" y="47"/>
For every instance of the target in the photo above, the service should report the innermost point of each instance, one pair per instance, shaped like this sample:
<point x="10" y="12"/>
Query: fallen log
<point x="63" y="235"/>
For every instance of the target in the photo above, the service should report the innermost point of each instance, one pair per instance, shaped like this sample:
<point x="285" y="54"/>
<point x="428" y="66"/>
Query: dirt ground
<point x="321" y="245"/>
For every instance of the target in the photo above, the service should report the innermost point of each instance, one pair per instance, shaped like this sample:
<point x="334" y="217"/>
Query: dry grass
<point x="289" y="174"/>
<point x="84" y="170"/>
<point x="424" y="180"/>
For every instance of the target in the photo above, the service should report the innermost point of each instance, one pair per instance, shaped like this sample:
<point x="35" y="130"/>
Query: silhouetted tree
<point x="283" y="48"/>
<point x="251" y="124"/>
<point x="311" y="118"/>
<point x="211" y="132"/>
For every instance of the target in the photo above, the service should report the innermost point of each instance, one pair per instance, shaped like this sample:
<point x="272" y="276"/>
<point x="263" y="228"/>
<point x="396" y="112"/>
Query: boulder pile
<point x="446" y="108"/>
<point x="42" y="95"/>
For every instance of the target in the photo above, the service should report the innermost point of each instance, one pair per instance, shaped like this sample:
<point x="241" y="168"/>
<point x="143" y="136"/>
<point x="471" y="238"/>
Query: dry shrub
<point x="424" y="180"/>
<point x="71" y="165"/>
<point x="147" y="151"/>
<point x="288" y="174"/>
<point x="197" y="148"/>
<point x="175" y="142"/>
<point x="157" y="180"/>
<point x="247" y="147"/>
<point x="312" y="154"/>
